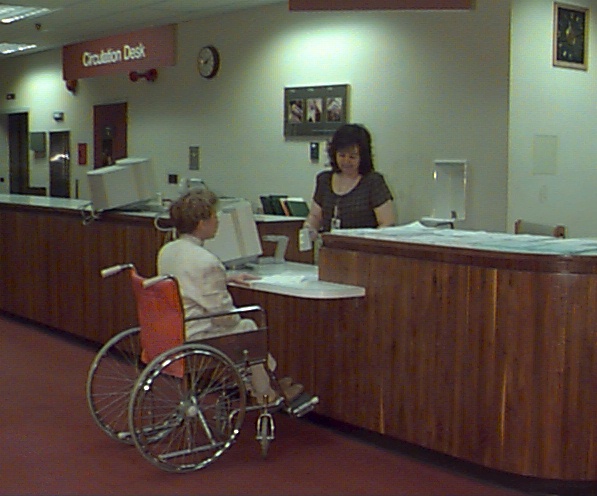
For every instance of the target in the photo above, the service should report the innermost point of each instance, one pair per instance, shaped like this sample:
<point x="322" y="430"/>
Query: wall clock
<point x="208" y="61"/>
<point x="570" y="43"/>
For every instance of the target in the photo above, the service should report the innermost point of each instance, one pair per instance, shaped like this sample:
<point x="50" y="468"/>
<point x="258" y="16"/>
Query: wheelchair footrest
<point x="302" y="405"/>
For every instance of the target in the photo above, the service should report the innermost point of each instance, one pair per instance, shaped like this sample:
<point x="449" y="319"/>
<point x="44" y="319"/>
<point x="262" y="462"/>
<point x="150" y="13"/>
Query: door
<point x="109" y="133"/>
<point x="18" y="131"/>
<point x="60" y="164"/>
<point x="18" y="156"/>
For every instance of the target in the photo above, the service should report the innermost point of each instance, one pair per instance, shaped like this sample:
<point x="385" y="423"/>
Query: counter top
<point x="153" y="211"/>
<point x="276" y="218"/>
<point x="417" y="233"/>
<point x="299" y="280"/>
<point x="44" y="201"/>
<point x="162" y="213"/>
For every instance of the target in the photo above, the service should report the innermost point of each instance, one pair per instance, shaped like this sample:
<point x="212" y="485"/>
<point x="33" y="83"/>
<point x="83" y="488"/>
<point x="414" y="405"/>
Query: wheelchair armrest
<point x="147" y="283"/>
<point x="234" y="311"/>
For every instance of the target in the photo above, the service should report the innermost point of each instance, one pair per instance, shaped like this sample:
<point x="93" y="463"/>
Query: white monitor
<point x="128" y="182"/>
<point x="237" y="240"/>
<point x="145" y="180"/>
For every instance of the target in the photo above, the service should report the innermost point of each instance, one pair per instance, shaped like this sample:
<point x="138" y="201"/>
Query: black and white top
<point x="355" y="208"/>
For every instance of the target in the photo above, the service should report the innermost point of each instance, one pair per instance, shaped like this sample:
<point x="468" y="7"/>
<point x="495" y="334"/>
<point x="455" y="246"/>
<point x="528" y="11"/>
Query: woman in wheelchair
<point x="203" y="281"/>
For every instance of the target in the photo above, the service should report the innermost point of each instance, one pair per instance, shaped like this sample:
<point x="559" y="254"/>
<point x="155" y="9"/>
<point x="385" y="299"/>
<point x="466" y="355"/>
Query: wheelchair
<point x="181" y="403"/>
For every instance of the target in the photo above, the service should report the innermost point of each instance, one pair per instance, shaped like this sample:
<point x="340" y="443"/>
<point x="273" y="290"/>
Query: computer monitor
<point x="128" y="182"/>
<point x="237" y="241"/>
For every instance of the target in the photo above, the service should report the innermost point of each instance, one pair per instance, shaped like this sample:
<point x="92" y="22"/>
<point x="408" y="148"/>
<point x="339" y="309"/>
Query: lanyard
<point x="335" y="219"/>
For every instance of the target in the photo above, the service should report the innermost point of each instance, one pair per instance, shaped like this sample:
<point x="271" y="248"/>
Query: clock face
<point x="570" y="37"/>
<point x="208" y="61"/>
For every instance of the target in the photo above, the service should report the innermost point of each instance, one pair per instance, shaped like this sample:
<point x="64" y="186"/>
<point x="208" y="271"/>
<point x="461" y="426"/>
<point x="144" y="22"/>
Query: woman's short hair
<point x="347" y="136"/>
<point x="190" y="208"/>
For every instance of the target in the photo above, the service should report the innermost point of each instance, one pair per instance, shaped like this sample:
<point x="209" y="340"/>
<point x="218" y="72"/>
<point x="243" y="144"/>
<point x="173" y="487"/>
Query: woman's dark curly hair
<point x="349" y="135"/>
<point x="190" y="208"/>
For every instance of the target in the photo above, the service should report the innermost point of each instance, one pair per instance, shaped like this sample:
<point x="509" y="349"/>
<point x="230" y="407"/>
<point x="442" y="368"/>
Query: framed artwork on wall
<point x="570" y="36"/>
<point x="315" y="110"/>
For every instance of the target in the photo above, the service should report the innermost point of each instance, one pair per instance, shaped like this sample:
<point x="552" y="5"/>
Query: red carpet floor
<point x="51" y="446"/>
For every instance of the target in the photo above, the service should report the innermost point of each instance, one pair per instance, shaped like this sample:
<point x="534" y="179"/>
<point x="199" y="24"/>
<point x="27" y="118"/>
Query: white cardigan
<point x="202" y="281"/>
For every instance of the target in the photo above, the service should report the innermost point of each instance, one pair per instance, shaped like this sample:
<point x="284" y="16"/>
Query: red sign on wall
<point x="82" y="149"/>
<point x="138" y="51"/>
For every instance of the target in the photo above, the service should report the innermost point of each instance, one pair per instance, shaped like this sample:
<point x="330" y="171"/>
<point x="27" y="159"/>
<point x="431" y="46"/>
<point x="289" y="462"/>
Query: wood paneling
<point x="495" y="365"/>
<point x="50" y="266"/>
<point x="50" y="269"/>
<point x="321" y="344"/>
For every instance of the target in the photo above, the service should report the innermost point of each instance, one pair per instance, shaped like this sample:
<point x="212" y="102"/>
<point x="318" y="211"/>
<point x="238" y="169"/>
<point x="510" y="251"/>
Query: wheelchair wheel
<point x="265" y="432"/>
<point x="184" y="423"/>
<point x="110" y="381"/>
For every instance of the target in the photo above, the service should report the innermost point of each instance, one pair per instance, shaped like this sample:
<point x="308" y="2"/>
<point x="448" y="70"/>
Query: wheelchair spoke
<point x="111" y="378"/>
<point x="208" y="403"/>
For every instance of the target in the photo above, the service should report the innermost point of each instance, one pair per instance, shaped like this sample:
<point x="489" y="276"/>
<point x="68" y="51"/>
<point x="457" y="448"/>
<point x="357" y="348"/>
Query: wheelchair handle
<point x="115" y="269"/>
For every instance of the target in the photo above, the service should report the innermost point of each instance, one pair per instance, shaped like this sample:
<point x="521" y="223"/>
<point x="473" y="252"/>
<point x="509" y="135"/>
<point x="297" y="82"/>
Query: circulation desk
<point x="482" y="346"/>
<point x="52" y="251"/>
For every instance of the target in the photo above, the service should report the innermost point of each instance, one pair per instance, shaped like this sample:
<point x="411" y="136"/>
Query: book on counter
<point x="295" y="207"/>
<point x="284" y="205"/>
<point x="271" y="204"/>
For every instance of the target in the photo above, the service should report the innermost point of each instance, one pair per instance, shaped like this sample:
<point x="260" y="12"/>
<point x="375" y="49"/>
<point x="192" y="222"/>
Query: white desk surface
<point x="299" y="280"/>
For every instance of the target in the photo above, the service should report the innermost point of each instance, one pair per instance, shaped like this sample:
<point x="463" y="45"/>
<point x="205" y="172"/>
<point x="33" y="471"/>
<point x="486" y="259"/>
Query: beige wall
<point x="429" y="85"/>
<point x="551" y="110"/>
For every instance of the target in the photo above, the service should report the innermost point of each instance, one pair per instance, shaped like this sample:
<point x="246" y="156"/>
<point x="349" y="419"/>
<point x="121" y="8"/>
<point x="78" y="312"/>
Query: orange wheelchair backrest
<point x="161" y="318"/>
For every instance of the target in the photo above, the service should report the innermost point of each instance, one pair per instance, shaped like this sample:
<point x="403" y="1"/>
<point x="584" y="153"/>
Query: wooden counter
<point x="50" y="267"/>
<point x="482" y="354"/>
<point x="50" y="262"/>
<point x="313" y="341"/>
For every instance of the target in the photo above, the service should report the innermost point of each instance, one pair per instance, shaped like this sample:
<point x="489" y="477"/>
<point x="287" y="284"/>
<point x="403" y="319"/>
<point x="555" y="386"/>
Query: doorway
<point x="109" y="133"/>
<point x="18" y="156"/>
<point x="60" y="164"/>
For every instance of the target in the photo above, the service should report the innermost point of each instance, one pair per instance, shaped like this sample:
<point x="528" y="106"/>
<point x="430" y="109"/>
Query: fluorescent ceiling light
<point x="6" y="48"/>
<point x="10" y="13"/>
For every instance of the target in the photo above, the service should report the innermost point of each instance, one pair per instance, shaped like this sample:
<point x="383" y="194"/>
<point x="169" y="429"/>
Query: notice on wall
<point x="545" y="153"/>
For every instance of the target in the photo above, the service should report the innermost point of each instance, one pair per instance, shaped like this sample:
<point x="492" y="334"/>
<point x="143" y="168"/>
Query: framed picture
<point x="315" y="110"/>
<point x="570" y="36"/>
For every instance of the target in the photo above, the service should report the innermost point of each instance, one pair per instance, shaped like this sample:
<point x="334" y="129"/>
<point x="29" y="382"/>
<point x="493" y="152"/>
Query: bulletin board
<point x="315" y="110"/>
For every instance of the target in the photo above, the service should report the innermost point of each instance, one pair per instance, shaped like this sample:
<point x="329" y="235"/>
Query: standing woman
<point x="351" y="194"/>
